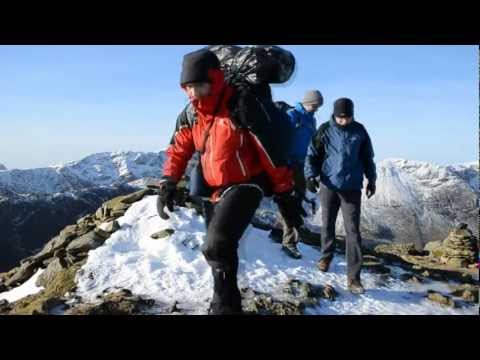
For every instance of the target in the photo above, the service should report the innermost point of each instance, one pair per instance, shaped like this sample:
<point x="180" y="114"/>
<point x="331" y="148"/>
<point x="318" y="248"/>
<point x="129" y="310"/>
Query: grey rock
<point x="118" y="213"/>
<point x="51" y="272"/>
<point x="112" y="226"/>
<point x="136" y="196"/>
<point x="102" y="234"/>
<point x="467" y="292"/>
<point x="257" y="303"/>
<point x="290" y="298"/>
<point x="117" y="303"/>
<point x="5" y="307"/>
<point x="412" y="278"/>
<point x="22" y="274"/>
<point x="99" y="213"/>
<point x="86" y="219"/>
<point x="441" y="299"/>
<point x="163" y="234"/>
<point x="57" y="243"/>
<point x="84" y="243"/>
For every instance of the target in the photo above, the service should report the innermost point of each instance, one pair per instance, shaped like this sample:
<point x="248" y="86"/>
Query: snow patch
<point x="27" y="288"/>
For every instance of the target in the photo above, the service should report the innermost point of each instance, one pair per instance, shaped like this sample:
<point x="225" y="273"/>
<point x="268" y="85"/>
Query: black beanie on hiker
<point x="343" y="108"/>
<point x="196" y="65"/>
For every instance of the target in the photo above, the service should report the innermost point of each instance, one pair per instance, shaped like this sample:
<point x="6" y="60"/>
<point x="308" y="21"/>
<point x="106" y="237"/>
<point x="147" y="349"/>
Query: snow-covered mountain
<point x="36" y="203"/>
<point x="102" y="169"/>
<point x="415" y="201"/>
<point x="419" y="202"/>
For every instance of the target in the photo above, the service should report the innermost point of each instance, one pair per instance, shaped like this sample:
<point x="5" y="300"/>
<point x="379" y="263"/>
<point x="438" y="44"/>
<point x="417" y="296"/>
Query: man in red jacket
<point x="235" y="166"/>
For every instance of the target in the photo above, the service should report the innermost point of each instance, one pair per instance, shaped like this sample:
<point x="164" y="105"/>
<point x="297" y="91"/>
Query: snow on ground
<point x="173" y="269"/>
<point x="27" y="288"/>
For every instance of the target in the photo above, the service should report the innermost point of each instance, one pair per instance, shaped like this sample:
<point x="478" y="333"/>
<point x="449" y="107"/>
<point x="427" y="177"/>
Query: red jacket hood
<point x="207" y="104"/>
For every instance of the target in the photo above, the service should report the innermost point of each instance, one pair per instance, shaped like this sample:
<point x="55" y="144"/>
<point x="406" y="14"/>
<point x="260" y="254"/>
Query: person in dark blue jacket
<point x="340" y="155"/>
<point x="304" y="125"/>
<point x="302" y="117"/>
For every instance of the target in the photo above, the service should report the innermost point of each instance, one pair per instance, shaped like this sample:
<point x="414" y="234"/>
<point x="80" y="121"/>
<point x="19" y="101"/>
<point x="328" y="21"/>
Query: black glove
<point x="312" y="185"/>
<point x="167" y="189"/>
<point x="290" y="207"/>
<point x="371" y="189"/>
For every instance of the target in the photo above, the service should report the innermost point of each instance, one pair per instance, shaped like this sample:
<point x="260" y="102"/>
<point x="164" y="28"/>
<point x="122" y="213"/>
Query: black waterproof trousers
<point x="349" y="202"/>
<point x="226" y="222"/>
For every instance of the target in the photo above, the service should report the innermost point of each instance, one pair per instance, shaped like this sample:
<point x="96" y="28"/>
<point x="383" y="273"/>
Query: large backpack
<point x="251" y="70"/>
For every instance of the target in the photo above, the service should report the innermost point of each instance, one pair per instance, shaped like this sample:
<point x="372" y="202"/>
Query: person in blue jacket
<point x="304" y="125"/>
<point x="340" y="155"/>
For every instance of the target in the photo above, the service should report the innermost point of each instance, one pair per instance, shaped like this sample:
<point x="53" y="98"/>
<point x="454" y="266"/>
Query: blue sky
<point x="61" y="103"/>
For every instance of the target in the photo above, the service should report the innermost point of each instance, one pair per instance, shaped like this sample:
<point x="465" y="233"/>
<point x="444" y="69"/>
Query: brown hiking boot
<point x="355" y="287"/>
<point x="324" y="264"/>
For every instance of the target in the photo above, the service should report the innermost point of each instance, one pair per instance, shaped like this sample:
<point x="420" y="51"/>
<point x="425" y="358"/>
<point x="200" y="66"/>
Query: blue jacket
<point x="341" y="156"/>
<point x="304" y="126"/>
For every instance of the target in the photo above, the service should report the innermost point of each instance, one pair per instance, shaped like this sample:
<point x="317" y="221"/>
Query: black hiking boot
<point x="292" y="251"/>
<point x="226" y="295"/>
<point x="355" y="287"/>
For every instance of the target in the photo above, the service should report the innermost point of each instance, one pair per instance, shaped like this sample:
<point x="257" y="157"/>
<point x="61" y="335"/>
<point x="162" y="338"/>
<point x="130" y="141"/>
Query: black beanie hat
<point x="343" y="108"/>
<point x="196" y="65"/>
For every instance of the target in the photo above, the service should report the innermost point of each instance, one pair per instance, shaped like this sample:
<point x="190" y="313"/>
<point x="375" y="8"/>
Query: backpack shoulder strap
<point x="318" y="141"/>
<point x="320" y="135"/>
<point x="323" y="127"/>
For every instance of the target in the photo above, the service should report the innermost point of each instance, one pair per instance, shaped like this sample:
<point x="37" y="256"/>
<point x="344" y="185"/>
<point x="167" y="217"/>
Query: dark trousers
<point x="349" y="201"/>
<point x="226" y="222"/>
<point x="290" y="232"/>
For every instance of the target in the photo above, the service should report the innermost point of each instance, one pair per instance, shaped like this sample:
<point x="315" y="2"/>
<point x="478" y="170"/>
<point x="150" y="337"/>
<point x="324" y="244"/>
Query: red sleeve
<point x="281" y="177"/>
<point x="179" y="153"/>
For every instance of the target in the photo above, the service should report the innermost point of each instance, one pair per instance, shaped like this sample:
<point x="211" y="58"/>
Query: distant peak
<point x="2" y="167"/>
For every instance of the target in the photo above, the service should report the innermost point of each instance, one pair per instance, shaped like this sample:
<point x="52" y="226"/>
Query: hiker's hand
<point x="167" y="189"/>
<point x="371" y="189"/>
<point x="312" y="185"/>
<point x="291" y="209"/>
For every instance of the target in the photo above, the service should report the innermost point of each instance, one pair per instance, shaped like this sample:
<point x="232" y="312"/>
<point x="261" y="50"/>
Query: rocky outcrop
<point x="35" y="204"/>
<point x="291" y="298"/>
<point x="454" y="257"/>
<point x="441" y="299"/>
<point x="29" y="222"/>
<point x="467" y="292"/>
<point x="121" y="302"/>
<point x="65" y="254"/>
<point x="459" y="249"/>
<point x="62" y="256"/>
<point x="53" y="296"/>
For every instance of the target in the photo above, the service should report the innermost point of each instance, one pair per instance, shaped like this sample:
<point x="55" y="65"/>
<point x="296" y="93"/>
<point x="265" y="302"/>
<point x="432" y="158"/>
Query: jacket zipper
<point x="212" y="134"/>
<point x="237" y="153"/>
<point x="241" y="164"/>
